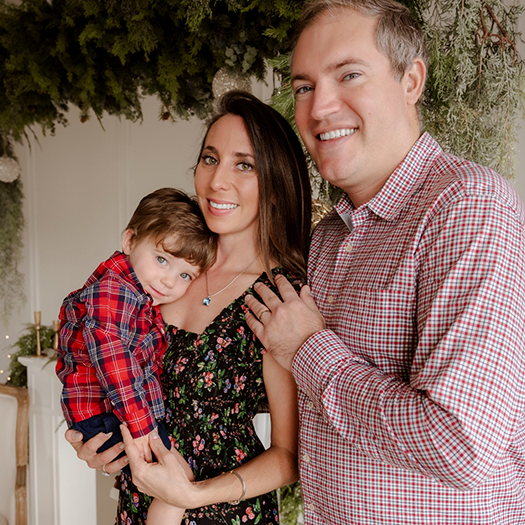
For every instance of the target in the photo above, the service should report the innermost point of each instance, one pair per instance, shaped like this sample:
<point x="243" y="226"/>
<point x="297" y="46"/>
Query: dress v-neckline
<point x="261" y="277"/>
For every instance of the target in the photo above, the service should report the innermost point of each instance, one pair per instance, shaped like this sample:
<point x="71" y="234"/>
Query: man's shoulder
<point x="456" y="177"/>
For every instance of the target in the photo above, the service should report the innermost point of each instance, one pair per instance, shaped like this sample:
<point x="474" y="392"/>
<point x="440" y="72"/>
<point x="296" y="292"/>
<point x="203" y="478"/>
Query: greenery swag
<point x="104" y="56"/>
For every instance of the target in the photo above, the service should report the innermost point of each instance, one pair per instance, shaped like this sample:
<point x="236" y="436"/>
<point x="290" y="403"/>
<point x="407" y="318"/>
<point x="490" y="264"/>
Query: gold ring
<point x="104" y="473"/>
<point x="262" y="313"/>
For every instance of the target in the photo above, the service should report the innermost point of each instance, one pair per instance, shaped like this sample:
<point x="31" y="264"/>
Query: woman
<point x="252" y="185"/>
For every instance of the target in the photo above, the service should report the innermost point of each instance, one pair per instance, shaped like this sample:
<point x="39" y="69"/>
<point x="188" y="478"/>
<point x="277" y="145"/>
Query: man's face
<point x="354" y="117"/>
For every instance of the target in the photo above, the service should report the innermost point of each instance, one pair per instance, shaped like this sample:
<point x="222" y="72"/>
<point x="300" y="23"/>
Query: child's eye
<point x="208" y="160"/>
<point x="186" y="276"/>
<point x="161" y="260"/>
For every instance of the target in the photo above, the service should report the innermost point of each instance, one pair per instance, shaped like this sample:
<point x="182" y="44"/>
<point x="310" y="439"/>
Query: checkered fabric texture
<point x="412" y="399"/>
<point x="112" y="341"/>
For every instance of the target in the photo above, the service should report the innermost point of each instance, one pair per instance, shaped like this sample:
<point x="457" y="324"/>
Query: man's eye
<point x="303" y="89"/>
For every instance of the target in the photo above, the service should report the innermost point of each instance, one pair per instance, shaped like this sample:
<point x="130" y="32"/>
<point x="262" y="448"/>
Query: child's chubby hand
<point x="142" y="444"/>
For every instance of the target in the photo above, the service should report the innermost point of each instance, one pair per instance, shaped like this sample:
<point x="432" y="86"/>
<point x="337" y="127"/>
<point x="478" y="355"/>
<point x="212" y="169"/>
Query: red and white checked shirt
<point x="412" y="400"/>
<point x="112" y="341"/>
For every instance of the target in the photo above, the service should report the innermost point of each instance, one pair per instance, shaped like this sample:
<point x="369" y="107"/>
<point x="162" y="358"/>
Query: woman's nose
<point x="220" y="178"/>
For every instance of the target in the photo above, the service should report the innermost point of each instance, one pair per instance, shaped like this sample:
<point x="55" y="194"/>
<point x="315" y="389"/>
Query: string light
<point x="7" y="337"/>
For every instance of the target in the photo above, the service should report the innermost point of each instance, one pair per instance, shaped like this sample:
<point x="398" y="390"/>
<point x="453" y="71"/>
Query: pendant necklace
<point x="207" y="300"/>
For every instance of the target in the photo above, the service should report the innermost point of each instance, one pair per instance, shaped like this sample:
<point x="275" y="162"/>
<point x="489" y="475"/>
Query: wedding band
<point x="262" y="313"/>
<point x="104" y="473"/>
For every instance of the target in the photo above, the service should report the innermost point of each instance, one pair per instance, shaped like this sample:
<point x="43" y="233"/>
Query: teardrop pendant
<point x="206" y="301"/>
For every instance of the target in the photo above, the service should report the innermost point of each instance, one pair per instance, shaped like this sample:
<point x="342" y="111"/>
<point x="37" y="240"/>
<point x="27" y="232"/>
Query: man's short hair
<point x="398" y="34"/>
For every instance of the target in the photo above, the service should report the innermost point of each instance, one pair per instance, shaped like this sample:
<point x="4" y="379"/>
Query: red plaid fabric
<point x="412" y="400"/>
<point x="112" y="341"/>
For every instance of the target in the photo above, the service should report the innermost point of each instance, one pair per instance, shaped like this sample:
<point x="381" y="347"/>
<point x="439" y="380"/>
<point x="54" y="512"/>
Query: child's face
<point x="164" y="277"/>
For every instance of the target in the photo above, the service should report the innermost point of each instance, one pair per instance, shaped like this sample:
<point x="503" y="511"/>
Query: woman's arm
<point x="274" y="468"/>
<point x="88" y="451"/>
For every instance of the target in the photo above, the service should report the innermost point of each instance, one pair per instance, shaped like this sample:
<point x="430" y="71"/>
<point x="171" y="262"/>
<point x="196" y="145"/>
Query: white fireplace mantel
<point x="62" y="489"/>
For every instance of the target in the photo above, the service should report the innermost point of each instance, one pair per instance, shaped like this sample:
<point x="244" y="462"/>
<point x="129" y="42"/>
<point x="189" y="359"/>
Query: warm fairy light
<point x="1" y="371"/>
<point x="8" y="356"/>
<point x="9" y="378"/>
<point x="7" y="337"/>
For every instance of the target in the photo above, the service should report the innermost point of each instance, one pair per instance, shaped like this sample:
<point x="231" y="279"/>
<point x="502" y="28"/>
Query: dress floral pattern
<point x="213" y="388"/>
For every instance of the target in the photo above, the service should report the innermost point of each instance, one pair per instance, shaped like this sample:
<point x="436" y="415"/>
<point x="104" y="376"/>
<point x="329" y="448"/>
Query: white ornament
<point x="9" y="169"/>
<point x="225" y="81"/>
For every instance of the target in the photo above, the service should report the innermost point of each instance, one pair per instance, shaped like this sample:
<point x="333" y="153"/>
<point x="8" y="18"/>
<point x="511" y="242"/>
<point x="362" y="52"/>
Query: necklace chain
<point x="207" y="300"/>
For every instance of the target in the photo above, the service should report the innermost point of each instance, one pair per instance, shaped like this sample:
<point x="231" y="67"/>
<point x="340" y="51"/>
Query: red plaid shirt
<point x="412" y="400"/>
<point x="111" y="345"/>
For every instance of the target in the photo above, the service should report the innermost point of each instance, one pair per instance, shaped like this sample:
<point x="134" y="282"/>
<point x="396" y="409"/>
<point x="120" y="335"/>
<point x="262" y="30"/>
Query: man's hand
<point x="283" y="326"/>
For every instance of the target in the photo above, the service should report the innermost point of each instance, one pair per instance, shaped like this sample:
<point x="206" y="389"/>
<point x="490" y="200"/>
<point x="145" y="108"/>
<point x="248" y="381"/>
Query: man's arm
<point x="453" y="419"/>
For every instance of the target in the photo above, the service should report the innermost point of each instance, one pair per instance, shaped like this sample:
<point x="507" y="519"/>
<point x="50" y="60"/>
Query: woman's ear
<point x="127" y="241"/>
<point x="414" y="79"/>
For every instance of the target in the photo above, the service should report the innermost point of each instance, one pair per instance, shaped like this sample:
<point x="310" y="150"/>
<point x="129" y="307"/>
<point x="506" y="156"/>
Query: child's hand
<point x="142" y="444"/>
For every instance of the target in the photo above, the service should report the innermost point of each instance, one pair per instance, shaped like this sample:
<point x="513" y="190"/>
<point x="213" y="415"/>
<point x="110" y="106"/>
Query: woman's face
<point x="226" y="179"/>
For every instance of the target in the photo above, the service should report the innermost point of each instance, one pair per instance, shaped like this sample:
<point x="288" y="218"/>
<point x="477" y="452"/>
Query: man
<point x="410" y="363"/>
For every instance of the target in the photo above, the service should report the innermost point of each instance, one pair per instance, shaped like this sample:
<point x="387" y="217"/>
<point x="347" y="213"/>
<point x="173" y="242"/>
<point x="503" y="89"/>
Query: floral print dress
<point x="213" y="388"/>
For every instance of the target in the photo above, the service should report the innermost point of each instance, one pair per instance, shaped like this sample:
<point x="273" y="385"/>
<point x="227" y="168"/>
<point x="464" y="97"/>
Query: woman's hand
<point x="166" y="479"/>
<point x="88" y="451"/>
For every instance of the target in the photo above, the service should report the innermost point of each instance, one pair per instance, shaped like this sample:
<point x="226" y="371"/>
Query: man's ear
<point x="127" y="241"/>
<point x="414" y="80"/>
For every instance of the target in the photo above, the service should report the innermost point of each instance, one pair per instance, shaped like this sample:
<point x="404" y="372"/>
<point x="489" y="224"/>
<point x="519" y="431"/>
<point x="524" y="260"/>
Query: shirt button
<point x="348" y="248"/>
<point x="330" y="299"/>
<point x="309" y="393"/>
<point x="310" y="404"/>
<point x="311" y="506"/>
<point x="306" y="458"/>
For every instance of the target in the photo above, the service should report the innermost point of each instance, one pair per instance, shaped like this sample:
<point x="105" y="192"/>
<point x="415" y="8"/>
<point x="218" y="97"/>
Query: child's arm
<point x="113" y="324"/>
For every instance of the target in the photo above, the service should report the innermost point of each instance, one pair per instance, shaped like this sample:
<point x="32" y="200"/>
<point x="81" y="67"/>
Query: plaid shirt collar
<point x="400" y="186"/>
<point x="119" y="263"/>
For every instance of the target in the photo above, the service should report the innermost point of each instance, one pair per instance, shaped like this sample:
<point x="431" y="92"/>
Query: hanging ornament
<point x="225" y="81"/>
<point x="9" y="169"/>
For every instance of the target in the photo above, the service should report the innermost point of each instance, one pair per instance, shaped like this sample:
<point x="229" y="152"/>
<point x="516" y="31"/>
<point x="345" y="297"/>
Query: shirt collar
<point x="401" y="185"/>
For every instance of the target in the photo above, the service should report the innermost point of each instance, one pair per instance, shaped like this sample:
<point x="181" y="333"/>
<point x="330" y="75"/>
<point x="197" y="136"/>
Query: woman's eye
<point x="161" y="260"/>
<point x="244" y="166"/>
<point x="208" y="160"/>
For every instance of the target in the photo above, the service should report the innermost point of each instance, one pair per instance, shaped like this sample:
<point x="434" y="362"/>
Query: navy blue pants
<point x="109" y="422"/>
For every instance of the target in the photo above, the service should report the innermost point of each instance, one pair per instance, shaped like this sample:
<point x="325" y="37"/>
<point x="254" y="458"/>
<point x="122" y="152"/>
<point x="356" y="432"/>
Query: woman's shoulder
<point x="294" y="278"/>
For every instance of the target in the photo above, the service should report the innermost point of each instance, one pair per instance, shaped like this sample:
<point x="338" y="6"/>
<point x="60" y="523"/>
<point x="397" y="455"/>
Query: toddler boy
<point x="112" y="336"/>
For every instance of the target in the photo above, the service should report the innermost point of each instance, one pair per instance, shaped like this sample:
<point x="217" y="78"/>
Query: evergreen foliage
<point x="26" y="346"/>
<point x="11" y="232"/>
